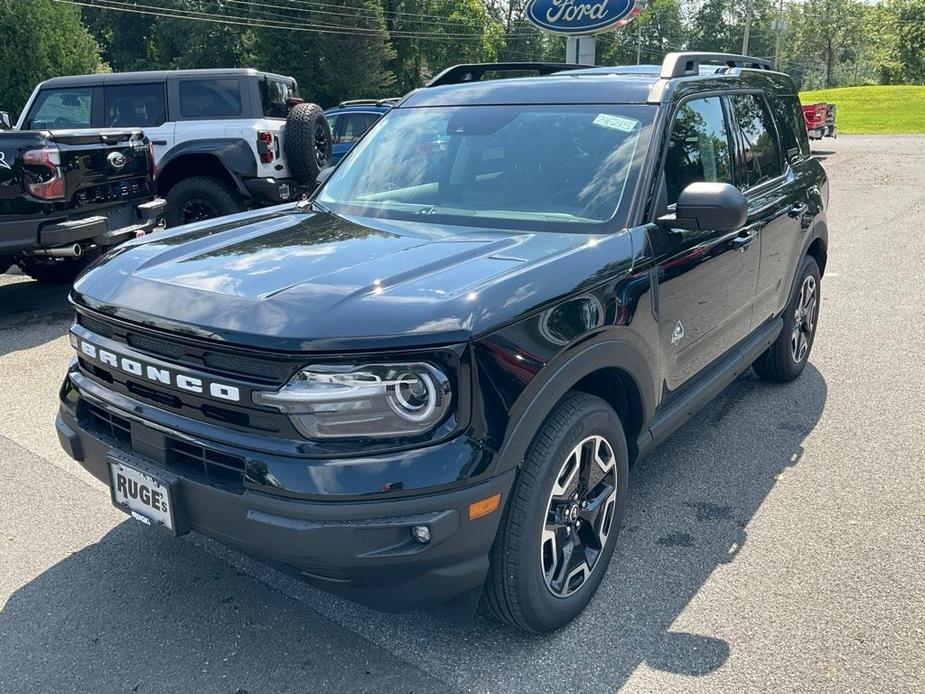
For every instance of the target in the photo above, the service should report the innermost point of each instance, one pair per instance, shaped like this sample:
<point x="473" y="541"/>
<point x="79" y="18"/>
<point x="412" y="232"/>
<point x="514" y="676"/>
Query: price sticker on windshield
<point x="606" y="120"/>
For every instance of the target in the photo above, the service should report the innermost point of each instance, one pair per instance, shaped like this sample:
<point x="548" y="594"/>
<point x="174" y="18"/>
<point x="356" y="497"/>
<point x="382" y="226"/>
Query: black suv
<point x="426" y="384"/>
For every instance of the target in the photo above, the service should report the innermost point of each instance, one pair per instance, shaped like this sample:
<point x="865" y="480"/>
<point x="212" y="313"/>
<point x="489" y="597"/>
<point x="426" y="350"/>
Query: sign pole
<point x="581" y="50"/>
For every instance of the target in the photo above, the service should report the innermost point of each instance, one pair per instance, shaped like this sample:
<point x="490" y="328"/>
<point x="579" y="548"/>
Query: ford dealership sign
<point x="580" y="16"/>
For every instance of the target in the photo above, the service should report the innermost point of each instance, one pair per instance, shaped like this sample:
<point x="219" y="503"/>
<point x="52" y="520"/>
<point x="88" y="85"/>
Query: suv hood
<point x="295" y="280"/>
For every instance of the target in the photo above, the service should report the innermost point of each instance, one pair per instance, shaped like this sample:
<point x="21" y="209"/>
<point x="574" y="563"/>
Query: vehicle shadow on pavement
<point x="31" y="314"/>
<point x="138" y="608"/>
<point x="140" y="612"/>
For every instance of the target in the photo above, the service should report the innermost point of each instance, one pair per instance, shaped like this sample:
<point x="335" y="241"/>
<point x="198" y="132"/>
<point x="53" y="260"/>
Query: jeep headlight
<point x="372" y="400"/>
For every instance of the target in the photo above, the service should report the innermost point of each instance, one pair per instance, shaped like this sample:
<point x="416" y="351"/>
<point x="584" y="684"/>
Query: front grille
<point x="227" y="360"/>
<point x="180" y="457"/>
<point x="109" y="424"/>
<point x="213" y="468"/>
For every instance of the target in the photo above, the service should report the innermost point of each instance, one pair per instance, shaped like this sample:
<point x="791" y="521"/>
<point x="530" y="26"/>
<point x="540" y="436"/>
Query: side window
<point x="761" y="147"/>
<point x="333" y="121"/>
<point x="211" y="98"/>
<point x="134" y="105"/>
<point x="354" y="125"/>
<point x="61" y="108"/>
<point x="274" y="95"/>
<point x="699" y="146"/>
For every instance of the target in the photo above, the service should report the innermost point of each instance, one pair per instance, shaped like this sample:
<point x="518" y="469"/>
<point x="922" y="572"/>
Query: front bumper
<point x="361" y="550"/>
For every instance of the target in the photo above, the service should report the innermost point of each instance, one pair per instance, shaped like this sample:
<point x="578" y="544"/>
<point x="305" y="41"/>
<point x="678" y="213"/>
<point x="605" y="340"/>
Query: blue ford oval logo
<point x="580" y="16"/>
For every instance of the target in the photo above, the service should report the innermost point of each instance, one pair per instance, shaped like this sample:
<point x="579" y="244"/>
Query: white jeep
<point x="224" y="139"/>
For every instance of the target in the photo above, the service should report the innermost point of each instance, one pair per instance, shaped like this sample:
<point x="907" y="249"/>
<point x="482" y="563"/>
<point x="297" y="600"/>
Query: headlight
<point x="373" y="400"/>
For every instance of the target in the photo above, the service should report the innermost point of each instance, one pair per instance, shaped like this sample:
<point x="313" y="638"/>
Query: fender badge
<point x="3" y="164"/>
<point x="678" y="333"/>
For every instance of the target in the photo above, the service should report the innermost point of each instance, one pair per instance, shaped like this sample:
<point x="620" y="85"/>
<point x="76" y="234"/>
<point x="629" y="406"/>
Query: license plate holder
<point x="144" y="492"/>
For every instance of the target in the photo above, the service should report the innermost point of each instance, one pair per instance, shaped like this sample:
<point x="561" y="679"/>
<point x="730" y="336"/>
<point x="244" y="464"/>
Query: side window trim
<point x="782" y="161"/>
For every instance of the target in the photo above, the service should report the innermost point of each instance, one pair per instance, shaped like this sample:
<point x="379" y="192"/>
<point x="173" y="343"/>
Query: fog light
<point x="421" y="533"/>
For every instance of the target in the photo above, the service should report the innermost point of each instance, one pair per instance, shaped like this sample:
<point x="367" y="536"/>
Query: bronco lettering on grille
<point x="156" y="374"/>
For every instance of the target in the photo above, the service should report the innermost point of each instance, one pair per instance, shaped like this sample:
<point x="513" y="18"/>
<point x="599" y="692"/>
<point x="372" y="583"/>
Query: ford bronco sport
<point x="426" y="384"/>
<point x="224" y="139"/>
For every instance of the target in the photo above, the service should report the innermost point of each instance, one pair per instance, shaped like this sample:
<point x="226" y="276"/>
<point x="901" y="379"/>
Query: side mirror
<point x="5" y="122"/>
<point x="708" y="206"/>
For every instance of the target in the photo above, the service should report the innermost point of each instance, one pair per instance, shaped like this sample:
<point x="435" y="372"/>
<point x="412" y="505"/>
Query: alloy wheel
<point x="804" y="320"/>
<point x="197" y="210"/>
<point x="321" y="146"/>
<point x="579" y="516"/>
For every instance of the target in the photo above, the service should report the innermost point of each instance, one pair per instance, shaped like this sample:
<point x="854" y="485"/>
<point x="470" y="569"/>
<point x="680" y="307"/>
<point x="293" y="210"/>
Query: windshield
<point x="506" y="166"/>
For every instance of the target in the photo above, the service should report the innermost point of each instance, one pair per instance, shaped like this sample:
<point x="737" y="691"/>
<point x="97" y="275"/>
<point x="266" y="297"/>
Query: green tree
<point x="41" y="39"/>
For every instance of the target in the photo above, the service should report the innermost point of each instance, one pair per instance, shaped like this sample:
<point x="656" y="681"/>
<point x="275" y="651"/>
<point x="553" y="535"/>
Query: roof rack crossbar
<point x="369" y="102"/>
<point x="474" y="72"/>
<point x="689" y="62"/>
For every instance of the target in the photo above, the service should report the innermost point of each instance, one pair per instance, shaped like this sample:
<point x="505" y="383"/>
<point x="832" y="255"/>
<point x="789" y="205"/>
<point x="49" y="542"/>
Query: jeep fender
<point x="233" y="155"/>
<point x="624" y="352"/>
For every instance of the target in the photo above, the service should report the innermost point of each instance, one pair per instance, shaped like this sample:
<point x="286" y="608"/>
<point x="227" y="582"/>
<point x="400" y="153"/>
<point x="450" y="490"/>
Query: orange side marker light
<point x="481" y="508"/>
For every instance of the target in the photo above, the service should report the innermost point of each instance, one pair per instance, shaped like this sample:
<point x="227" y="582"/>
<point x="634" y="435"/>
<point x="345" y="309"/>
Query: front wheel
<point x="785" y="359"/>
<point x="561" y="523"/>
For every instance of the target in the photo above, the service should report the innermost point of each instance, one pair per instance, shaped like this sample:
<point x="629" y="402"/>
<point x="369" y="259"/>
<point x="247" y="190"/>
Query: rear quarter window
<point x="792" y="126"/>
<point x="273" y="97"/>
<point x="211" y="98"/>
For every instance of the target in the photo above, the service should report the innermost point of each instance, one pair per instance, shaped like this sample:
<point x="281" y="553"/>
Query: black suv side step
<point x="690" y="403"/>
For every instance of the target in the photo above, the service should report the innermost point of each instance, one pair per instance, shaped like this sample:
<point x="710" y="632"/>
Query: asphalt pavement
<point x="775" y="543"/>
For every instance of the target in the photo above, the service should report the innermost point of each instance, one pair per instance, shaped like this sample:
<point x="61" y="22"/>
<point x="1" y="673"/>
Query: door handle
<point x="745" y="237"/>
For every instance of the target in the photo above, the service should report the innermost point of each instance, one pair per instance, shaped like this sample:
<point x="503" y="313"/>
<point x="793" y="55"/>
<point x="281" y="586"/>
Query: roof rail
<point x="367" y="102"/>
<point x="689" y="62"/>
<point x="474" y="72"/>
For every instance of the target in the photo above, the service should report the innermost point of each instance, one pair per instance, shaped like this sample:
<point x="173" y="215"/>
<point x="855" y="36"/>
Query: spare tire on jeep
<point x="307" y="142"/>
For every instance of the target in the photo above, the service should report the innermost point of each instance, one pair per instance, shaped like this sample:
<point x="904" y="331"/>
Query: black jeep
<point x="426" y="384"/>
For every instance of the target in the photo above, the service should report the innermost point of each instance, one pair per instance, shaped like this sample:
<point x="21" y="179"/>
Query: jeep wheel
<point x="307" y="142"/>
<point x="561" y="523"/>
<point x="786" y="358"/>
<point x="199" y="198"/>
<point x="57" y="270"/>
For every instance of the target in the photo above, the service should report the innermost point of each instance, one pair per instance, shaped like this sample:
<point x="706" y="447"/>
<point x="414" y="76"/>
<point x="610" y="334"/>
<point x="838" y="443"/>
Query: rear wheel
<point x="199" y="198"/>
<point x="561" y="523"/>
<point x="786" y="358"/>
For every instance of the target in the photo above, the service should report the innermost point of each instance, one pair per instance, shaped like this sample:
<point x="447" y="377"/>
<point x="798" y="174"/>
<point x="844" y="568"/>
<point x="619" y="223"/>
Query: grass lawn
<point x="879" y="109"/>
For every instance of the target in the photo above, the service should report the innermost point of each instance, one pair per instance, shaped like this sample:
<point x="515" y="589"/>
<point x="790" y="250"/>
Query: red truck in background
<point x="820" y="120"/>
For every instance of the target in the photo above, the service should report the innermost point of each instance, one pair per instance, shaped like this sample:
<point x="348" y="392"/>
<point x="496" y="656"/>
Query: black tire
<point x="518" y="590"/>
<point x="201" y="197"/>
<point x="57" y="270"/>
<point x="784" y="360"/>
<point x="307" y="142"/>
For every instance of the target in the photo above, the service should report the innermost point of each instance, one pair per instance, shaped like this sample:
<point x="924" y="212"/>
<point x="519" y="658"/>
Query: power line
<point x="238" y="20"/>
<point x="347" y="12"/>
